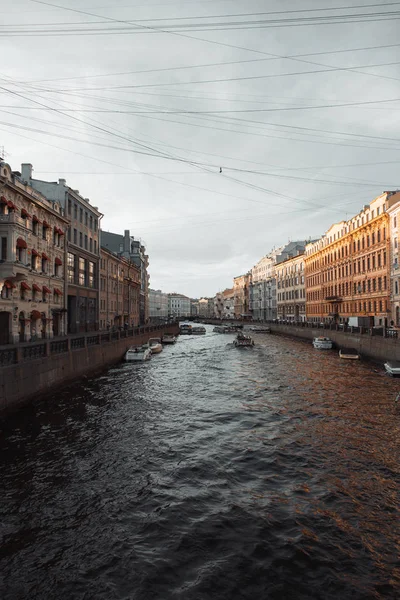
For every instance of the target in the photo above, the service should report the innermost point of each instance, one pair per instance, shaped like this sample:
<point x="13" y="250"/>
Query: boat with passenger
<point x="198" y="330"/>
<point x="349" y="353"/>
<point x="322" y="343"/>
<point x="168" y="338"/>
<point x="392" y="367"/>
<point x="260" y="329"/>
<point x="138" y="354"/>
<point x="243" y="341"/>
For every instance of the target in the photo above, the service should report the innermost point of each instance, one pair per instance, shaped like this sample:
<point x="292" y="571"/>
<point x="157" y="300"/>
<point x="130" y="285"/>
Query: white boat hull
<point x="138" y="354"/>
<point x="392" y="369"/>
<point x="322" y="343"/>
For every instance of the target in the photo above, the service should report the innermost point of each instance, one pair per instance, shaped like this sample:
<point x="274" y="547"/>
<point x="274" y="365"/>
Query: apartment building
<point x="290" y="292"/>
<point x="119" y="291"/>
<point x="134" y="251"/>
<point x="241" y="290"/>
<point x="32" y="267"/>
<point x="178" y="305"/>
<point x="158" y="305"/>
<point x="348" y="270"/>
<point x="83" y="250"/>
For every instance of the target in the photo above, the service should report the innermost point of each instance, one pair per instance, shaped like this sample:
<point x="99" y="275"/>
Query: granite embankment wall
<point x="31" y="370"/>
<point x="374" y="347"/>
<point x="378" y="345"/>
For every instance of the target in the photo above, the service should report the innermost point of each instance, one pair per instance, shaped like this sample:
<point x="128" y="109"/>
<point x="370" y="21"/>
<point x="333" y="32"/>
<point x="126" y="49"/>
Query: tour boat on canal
<point x="260" y="329"/>
<point x="322" y="343"/>
<point x="185" y="329"/>
<point x="243" y="341"/>
<point x="392" y="367"/>
<point x="349" y="353"/>
<point x="168" y="338"/>
<point x="198" y="330"/>
<point x="155" y="345"/>
<point x="138" y="354"/>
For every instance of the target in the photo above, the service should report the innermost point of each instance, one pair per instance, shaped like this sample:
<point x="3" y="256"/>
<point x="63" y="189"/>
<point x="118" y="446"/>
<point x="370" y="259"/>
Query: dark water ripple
<point x="208" y="473"/>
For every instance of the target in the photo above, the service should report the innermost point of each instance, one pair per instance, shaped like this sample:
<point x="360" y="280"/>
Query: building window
<point x="91" y="222"/>
<point x="95" y="247"/>
<point x="75" y="236"/>
<point x="34" y="257"/>
<point x="81" y="239"/>
<point x="82" y="271"/>
<point x="81" y="215"/>
<point x="75" y="211"/>
<point x="90" y="244"/>
<point x="35" y="226"/>
<point x="95" y="224"/>
<point x="69" y="234"/>
<point x="86" y="218"/>
<point x="3" y="248"/>
<point x="71" y="267"/>
<point x="86" y="242"/>
<point x="91" y="274"/>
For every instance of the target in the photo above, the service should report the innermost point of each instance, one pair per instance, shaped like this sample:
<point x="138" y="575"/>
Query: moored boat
<point x="198" y="330"/>
<point x="349" y="353"/>
<point x="185" y="329"/>
<point x="242" y="341"/>
<point x="322" y="343"/>
<point x="138" y="354"/>
<point x="260" y="329"/>
<point x="392" y="367"/>
<point x="168" y="338"/>
<point x="155" y="345"/>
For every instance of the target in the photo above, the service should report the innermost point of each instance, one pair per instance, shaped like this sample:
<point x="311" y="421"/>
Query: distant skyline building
<point x="158" y="305"/>
<point x="178" y="305"/>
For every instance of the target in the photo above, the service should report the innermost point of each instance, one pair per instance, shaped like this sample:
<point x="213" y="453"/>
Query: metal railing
<point x="10" y="355"/>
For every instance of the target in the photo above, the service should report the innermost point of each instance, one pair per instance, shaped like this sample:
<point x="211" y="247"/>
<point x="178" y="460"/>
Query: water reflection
<point x="209" y="472"/>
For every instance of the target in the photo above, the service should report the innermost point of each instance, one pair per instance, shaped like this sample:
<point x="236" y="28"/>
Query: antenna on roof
<point x="3" y="153"/>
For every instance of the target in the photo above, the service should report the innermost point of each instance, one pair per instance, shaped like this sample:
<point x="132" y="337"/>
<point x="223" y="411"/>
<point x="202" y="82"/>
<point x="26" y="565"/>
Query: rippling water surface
<point x="211" y="473"/>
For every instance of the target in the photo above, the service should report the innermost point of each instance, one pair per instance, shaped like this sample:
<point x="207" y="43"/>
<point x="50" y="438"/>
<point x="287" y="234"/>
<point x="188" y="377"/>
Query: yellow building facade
<point x="347" y="271"/>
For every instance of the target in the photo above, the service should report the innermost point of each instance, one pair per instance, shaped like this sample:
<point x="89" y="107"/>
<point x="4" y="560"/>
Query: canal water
<point x="208" y="473"/>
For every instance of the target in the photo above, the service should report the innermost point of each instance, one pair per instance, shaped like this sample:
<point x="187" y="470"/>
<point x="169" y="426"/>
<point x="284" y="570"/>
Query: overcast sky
<point x="139" y="105"/>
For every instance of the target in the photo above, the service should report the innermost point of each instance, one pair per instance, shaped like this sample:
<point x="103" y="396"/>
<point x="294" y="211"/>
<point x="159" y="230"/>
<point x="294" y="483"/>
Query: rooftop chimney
<point x="26" y="172"/>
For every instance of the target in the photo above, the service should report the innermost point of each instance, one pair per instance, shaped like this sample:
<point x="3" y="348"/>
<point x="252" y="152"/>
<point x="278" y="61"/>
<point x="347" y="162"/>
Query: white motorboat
<point x="185" y="329"/>
<point x="349" y="353"/>
<point x="198" y="330"/>
<point x="168" y="338"/>
<point x="392" y="367"/>
<point x="322" y="343"/>
<point x="155" y="345"/>
<point x="138" y="354"/>
<point x="243" y="341"/>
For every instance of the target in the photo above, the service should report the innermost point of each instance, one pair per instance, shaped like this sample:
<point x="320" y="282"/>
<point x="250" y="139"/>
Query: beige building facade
<point x="241" y="291"/>
<point x="290" y="289"/>
<point x="33" y="262"/>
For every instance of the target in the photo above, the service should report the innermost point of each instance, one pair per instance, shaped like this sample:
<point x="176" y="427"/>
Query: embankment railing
<point x="10" y="355"/>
